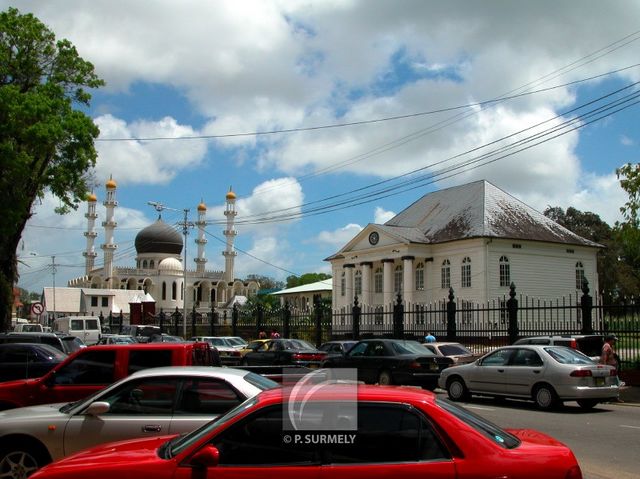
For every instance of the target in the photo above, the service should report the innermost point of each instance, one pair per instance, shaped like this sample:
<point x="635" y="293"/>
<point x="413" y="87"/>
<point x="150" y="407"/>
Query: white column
<point x="230" y="233"/>
<point x="201" y="241"/>
<point x="90" y="253"/>
<point x="367" y="285"/>
<point x="349" y="291"/>
<point x="109" y="226"/>
<point x="408" y="279"/>
<point x="387" y="282"/>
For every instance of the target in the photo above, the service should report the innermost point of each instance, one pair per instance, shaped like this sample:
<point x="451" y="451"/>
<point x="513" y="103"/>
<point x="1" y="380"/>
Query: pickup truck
<point x="93" y="368"/>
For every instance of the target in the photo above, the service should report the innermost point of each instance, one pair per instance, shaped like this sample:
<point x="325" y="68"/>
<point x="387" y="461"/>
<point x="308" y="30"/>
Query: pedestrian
<point x="275" y="334"/>
<point x="262" y="334"/>
<point x="608" y="356"/>
<point x="429" y="338"/>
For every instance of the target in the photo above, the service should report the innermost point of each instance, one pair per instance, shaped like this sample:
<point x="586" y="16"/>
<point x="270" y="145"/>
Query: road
<point x="606" y="440"/>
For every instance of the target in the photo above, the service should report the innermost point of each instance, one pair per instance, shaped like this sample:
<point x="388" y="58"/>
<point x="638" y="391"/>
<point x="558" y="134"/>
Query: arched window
<point x="505" y="272"/>
<point x="151" y="264"/>
<point x="144" y="264"/>
<point x="579" y="275"/>
<point x="420" y="277"/>
<point x="343" y="284"/>
<point x="164" y="290"/>
<point x="466" y="272"/>
<point x="174" y="291"/>
<point x="445" y="274"/>
<point x="397" y="279"/>
<point x="358" y="283"/>
<point x="377" y="280"/>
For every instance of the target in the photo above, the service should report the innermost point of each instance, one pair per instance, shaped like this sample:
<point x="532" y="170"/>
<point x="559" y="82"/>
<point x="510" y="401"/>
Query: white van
<point x="86" y="328"/>
<point x="28" y="328"/>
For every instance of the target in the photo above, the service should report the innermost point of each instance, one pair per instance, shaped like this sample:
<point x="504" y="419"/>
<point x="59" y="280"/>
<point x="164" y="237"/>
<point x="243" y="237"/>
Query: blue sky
<point x="211" y="68"/>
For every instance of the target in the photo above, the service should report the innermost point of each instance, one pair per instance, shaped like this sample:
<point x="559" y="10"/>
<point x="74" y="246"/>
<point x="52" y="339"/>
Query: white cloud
<point x="339" y="237"/>
<point x="274" y="258"/>
<point x="626" y="141"/>
<point x="381" y="216"/>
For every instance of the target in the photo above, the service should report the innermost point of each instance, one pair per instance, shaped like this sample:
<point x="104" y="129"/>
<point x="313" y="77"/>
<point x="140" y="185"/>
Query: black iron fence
<point x="482" y="327"/>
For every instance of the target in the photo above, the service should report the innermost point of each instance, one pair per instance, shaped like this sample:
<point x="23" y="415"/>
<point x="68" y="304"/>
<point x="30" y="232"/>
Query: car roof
<point x="207" y="371"/>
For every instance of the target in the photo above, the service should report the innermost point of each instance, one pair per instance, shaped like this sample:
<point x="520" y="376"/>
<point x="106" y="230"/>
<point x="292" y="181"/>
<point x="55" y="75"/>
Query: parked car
<point x="61" y="342"/>
<point x="456" y="351"/>
<point x="255" y="345"/>
<point x="337" y="347"/>
<point x="165" y="338"/>
<point x="117" y="339"/>
<point x="71" y="344"/>
<point x="87" y="328"/>
<point x="229" y="355"/>
<point x="238" y="341"/>
<point x="547" y="375"/>
<point x="399" y="432"/>
<point x="392" y="361"/>
<point x="142" y="332"/>
<point x="285" y="352"/>
<point x="152" y="402"/>
<point x="95" y="367"/>
<point x="589" y="344"/>
<point x="27" y="360"/>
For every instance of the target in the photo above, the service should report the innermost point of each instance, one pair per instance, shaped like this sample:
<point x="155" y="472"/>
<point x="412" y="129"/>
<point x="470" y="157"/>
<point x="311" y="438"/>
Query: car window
<point x="389" y="433"/>
<point x="148" y="396"/>
<point x="327" y="347"/>
<point x="359" y="349"/>
<point x="526" y="357"/>
<point x="567" y="355"/>
<point x="257" y="345"/>
<point x="93" y="367"/>
<point x="206" y="396"/>
<point x="91" y="324"/>
<point x="454" y="350"/>
<point x="299" y="344"/>
<point x="261" y="382"/>
<point x="142" y="359"/>
<point x="376" y="348"/>
<point x="77" y="324"/>
<point x="276" y="346"/>
<point x="590" y="345"/>
<point x="497" y="358"/>
<point x="259" y="440"/>
<point x="409" y="347"/>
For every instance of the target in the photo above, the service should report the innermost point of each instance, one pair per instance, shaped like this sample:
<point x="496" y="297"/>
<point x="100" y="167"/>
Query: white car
<point x="151" y="402"/>
<point x="229" y="351"/>
<point x="547" y="375"/>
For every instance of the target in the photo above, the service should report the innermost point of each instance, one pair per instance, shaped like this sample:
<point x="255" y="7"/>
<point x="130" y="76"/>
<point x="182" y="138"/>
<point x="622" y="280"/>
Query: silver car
<point x="546" y="374"/>
<point x="151" y="402"/>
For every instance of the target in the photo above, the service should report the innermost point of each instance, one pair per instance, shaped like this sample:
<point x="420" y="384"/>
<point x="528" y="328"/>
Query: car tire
<point x="385" y="378"/>
<point x="21" y="459"/>
<point x="587" y="404"/>
<point x="545" y="397"/>
<point x="457" y="389"/>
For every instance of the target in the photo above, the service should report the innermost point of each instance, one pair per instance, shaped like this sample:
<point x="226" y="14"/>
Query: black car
<point x="337" y="347"/>
<point x="27" y="360"/>
<point x="50" y="339"/>
<point x="286" y="352"/>
<point x="392" y="361"/>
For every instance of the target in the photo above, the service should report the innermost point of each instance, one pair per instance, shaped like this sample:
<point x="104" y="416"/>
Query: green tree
<point x="266" y="282"/>
<point x="628" y="231"/>
<point x="307" y="278"/>
<point x="46" y="144"/>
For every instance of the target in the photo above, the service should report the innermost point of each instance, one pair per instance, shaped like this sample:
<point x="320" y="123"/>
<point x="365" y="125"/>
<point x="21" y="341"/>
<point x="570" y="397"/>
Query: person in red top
<point x="608" y="355"/>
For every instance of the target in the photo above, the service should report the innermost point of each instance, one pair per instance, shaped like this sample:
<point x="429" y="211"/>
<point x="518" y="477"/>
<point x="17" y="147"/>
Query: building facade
<point x="476" y="239"/>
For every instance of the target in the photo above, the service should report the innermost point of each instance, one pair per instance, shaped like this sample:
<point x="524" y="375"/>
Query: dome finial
<point x="111" y="184"/>
<point x="231" y="195"/>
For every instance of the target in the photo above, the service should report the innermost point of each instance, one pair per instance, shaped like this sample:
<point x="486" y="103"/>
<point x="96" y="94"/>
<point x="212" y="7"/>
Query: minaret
<point x="230" y="233"/>
<point x="91" y="215"/>
<point x="201" y="241"/>
<point x="109" y="225"/>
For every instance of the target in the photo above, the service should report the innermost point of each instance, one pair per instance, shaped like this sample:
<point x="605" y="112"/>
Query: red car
<point x="396" y="432"/>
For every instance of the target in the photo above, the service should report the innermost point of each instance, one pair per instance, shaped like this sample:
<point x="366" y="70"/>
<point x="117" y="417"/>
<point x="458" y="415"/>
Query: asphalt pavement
<point x="630" y="395"/>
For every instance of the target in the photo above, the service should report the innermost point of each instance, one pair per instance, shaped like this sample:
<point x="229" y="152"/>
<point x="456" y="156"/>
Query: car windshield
<point x="177" y="445"/>
<point x="454" y="350"/>
<point x="486" y="428"/>
<point x="411" y="347"/>
<point x="297" y="344"/>
<point x="236" y="341"/>
<point x="565" y="355"/>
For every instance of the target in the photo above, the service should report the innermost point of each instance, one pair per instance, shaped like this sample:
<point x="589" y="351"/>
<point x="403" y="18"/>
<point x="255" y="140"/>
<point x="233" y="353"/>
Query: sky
<point x="325" y="116"/>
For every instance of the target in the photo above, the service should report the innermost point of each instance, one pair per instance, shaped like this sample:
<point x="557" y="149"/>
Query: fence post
<point x="451" y="317"/>
<point x="234" y="319"/>
<point x="259" y="319"/>
<point x="356" y="310"/>
<point x="318" y="314"/>
<point x="286" y="319"/>
<point x="586" y="304"/>
<point x="161" y="318"/>
<point x="512" y="312"/>
<point x="193" y="321"/>
<point x="398" y="318"/>
<point x="212" y="323"/>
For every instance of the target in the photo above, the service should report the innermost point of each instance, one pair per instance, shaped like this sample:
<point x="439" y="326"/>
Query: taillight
<point x="574" y="473"/>
<point x="573" y="344"/>
<point x="581" y="373"/>
<point x="415" y="365"/>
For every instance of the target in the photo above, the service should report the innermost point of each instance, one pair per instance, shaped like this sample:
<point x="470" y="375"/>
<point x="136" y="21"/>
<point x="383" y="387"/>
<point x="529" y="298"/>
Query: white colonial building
<point x="474" y="238"/>
<point x="159" y="270"/>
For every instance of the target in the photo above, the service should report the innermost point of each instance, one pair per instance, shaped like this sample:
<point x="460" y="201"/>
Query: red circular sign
<point x="37" y="308"/>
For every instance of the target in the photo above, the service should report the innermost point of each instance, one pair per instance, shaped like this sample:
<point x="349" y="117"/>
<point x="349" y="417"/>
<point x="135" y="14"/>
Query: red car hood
<point x="132" y="453"/>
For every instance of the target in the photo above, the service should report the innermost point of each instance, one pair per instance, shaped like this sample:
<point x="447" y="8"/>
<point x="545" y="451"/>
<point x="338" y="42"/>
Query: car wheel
<point x="456" y="389"/>
<point x="385" y="379"/>
<point x="21" y="459"/>
<point x="545" y="397"/>
<point x="587" y="403"/>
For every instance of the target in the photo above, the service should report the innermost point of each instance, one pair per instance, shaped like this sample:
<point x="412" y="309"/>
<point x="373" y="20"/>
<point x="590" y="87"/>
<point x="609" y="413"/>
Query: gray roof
<point x="478" y="209"/>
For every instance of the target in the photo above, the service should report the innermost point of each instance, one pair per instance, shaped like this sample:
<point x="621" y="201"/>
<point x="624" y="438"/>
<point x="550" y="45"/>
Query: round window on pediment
<point x="374" y="238"/>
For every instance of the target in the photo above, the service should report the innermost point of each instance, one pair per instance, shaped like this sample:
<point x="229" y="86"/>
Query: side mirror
<point x="208" y="456"/>
<point x="97" y="408"/>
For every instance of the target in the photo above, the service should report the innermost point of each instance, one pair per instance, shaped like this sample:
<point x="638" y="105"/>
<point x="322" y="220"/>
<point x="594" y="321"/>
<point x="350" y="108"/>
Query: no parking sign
<point x="37" y="308"/>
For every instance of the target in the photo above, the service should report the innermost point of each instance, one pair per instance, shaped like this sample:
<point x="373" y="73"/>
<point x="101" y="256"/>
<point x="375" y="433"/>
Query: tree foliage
<point x="46" y="144"/>
<point x="265" y="282"/>
<point x="628" y="231"/>
<point x="307" y="278"/>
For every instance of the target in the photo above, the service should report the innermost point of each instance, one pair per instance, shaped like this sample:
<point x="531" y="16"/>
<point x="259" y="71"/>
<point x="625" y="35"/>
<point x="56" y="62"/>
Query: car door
<point x="391" y="440"/>
<point x="201" y="400"/>
<point x="488" y="375"/>
<point x="257" y="446"/>
<point x="141" y="408"/>
<point x="525" y="368"/>
<point x="375" y="358"/>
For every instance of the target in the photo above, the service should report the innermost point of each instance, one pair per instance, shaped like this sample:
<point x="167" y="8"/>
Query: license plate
<point x="599" y="381"/>
<point x="433" y="367"/>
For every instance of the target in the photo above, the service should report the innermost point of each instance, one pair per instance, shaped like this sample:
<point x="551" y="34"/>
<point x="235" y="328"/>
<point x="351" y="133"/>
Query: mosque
<point x="159" y="272"/>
